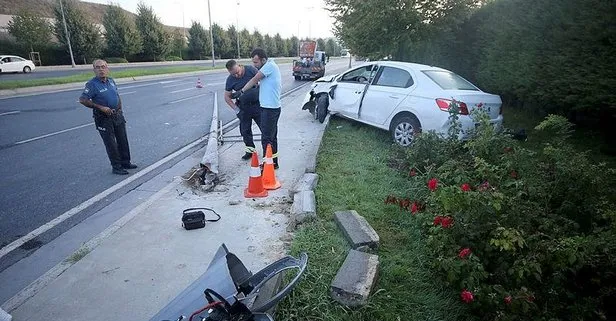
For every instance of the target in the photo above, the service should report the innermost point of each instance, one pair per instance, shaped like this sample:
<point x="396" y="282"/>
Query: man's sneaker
<point x="129" y="166"/>
<point x="247" y="156"/>
<point x="119" y="171"/>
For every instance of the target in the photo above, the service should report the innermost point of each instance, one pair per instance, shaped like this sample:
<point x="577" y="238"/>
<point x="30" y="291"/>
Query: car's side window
<point x="16" y="59"/>
<point x="359" y="75"/>
<point x="393" y="77"/>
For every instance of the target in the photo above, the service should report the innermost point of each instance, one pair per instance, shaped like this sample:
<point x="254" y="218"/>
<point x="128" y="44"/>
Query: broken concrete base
<point x="304" y="206"/>
<point x="357" y="230"/>
<point x="355" y="279"/>
<point x="306" y="183"/>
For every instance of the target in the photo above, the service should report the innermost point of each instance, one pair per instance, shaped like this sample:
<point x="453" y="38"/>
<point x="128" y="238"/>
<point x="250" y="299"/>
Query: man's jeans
<point x="269" y="130"/>
<point x="246" y="116"/>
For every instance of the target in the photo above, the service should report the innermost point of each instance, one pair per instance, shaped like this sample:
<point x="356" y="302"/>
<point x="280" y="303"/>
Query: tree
<point x="120" y="33"/>
<point x="30" y="31"/>
<point x="330" y="47"/>
<point x="293" y="47"/>
<point x="222" y="43"/>
<point x="281" y="45"/>
<point x="178" y="42"/>
<point x="155" y="38"/>
<point x="257" y="40"/>
<point x="321" y="44"/>
<point x="85" y="36"/>
<point x="246" y="43"/>
<point x="198" y="41"/>
<point x="232" y="34"/>
<point x="270" y="46"/>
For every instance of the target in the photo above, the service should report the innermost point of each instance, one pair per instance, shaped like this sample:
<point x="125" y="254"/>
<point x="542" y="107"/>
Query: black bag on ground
<point x="193" y="218"/>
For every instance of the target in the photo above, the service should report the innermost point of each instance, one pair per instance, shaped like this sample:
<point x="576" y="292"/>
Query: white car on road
<point x="403" y="98"/>
<point x="15" y="64"/>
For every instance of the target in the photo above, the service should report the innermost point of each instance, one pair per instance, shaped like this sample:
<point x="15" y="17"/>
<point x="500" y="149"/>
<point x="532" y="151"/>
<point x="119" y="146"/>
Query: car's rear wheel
<point x="27" y="69"/>
<point x="321" y="108"/>
<point x="403" y="130"/>
<point x="298" y="78"/>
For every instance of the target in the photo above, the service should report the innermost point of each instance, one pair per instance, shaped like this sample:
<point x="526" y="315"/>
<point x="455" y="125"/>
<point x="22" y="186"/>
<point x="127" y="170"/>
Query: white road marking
<point x="10" y="113"/>
<point x="215" y="84"/>
<point x="128" y="93"/>
<point x="75" y="210"/>
<point x="53" y="134"/>
<point x="187" y="98"/>
<point x="175" y="85"/>
<point x="181" y="90"/>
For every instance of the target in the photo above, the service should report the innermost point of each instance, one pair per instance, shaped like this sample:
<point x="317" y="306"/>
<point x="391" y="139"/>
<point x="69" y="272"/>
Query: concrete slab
<point x="304" y="207"/>
<point x="355" y="279"/>
<point x="357" y="230"/>
<point x="307" y="182"/>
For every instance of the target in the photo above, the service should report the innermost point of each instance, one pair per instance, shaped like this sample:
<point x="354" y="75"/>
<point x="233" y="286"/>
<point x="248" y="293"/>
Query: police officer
<point x="246" y="107"/>
<point x="101" y="94"/>
<point x="270" y="86"/>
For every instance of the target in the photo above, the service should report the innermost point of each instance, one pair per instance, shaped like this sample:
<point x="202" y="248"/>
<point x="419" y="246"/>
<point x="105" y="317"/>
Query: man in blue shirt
<point x="101" y="94"/>
<point x="270" y="86"/>
<point x="247" y="107"/>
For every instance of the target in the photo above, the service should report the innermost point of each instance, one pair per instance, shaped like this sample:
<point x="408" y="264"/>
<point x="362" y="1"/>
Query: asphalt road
<point x="53" y="159"/>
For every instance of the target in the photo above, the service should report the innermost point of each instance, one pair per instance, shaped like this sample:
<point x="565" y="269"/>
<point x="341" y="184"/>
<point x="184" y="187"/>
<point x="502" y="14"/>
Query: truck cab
<point x="311" y="63"/>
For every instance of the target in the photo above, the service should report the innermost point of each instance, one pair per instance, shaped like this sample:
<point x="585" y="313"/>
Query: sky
<point x="308" y="18"/>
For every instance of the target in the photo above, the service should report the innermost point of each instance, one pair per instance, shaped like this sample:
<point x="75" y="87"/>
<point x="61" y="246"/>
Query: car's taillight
<point x="443" y="104"/>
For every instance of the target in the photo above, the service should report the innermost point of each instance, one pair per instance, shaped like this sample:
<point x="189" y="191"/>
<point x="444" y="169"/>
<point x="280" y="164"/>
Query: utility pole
<point x="68" y="37"/>
<point x="211" y="33"/>
<point x="237" y="32"/>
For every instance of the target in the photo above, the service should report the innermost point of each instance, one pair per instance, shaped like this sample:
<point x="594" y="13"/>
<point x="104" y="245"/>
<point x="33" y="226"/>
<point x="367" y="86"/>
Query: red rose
<point x="465" y="187"/>
<point x="464" y="253"/>
<point x="530" y="298"/>
<point x="514" y="174"/>
<point x="446" y="222"/>
<point x="508" y="299"/>
<point x="438" y="220"/>
<point x="479" y="105"/>
<point x="433" y="184"/>
<point x="412" y="172"/>
<point x="414" y="208"/>
<point x="467" y="296"/>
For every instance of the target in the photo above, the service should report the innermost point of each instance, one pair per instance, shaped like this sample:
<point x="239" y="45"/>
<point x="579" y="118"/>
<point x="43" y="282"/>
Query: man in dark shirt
<point x="246" y="107"/>
<point x="101" y="94"/>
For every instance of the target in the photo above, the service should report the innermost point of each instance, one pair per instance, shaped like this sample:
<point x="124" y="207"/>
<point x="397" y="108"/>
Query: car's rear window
<point x="448" y="80"/>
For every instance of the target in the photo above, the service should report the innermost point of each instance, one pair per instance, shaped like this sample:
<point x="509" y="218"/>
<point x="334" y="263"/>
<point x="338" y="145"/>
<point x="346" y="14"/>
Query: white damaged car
<point x="403" y="98"/>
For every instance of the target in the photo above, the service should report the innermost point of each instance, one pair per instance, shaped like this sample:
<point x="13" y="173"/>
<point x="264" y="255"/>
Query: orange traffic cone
<point x="269" y="175"/>
<point x="255" y="183"/>
<point x="199" y="85"/>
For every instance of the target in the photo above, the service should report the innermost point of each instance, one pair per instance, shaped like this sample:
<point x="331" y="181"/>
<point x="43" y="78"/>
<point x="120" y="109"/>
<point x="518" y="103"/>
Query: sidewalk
<point x="134" y="269"/>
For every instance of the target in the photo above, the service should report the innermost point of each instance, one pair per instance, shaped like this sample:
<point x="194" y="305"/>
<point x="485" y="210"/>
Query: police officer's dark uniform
<point x="112" y="128"/>
<point x="249" y="107"/>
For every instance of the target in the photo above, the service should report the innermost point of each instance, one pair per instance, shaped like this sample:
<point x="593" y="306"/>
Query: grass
<point x="353" y="174"/>
<point x="78" y="255"/>
<point x="126" y="73"/>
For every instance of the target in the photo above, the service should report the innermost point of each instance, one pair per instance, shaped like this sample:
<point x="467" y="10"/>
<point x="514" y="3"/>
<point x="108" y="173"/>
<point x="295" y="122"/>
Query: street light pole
<point x="211" y="33"/>
<point x="237" y="31"/>
<point x="68" y="38"/>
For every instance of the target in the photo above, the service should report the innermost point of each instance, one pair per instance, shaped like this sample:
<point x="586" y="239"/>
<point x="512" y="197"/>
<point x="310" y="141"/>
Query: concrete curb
<point x="312" y="160"/>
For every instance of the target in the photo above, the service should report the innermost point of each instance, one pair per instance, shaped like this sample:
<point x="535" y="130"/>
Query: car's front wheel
<point x="403" y="130"/>
<point x="27" y="69"/>
<point x="321" y="108"/>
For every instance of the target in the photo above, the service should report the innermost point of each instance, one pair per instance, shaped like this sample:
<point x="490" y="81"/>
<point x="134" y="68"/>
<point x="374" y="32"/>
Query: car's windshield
<point x="448" y="80"/>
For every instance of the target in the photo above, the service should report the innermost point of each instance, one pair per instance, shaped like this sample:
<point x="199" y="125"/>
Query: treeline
<point x="548" y="56"/>
<point x="139" y="38"/>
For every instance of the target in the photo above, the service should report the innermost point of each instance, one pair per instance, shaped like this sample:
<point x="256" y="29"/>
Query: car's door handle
<point x="358" y="92"/>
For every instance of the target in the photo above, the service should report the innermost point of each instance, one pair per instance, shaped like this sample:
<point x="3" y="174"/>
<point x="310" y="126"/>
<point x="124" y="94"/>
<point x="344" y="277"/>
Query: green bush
<point x="173" y="58"/>
<point x="116" y="60"/>
<point x="521" y="235"/>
